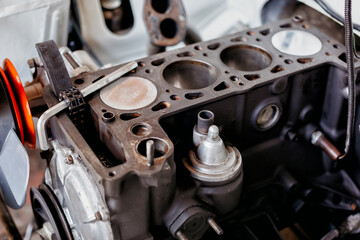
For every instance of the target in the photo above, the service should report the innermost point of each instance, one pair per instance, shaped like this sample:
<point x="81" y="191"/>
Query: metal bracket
<point x="44" y="118"/>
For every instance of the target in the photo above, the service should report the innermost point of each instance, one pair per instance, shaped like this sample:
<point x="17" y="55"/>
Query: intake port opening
<point x="245" y="58"/>
<point x="190" y="74"/>
<point x="161" y="6"/>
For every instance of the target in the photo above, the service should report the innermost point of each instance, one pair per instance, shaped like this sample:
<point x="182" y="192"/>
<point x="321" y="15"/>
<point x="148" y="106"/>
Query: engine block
<point x="264" y="87"/>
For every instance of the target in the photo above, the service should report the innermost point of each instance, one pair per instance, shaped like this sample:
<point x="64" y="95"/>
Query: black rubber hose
<point x="349" y="43"/>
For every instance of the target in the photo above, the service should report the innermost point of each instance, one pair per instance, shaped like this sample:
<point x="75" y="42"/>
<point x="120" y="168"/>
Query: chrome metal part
<point x="150" y="150"/>
<point x="215" y="226"/>
<point x="204" y="121"/>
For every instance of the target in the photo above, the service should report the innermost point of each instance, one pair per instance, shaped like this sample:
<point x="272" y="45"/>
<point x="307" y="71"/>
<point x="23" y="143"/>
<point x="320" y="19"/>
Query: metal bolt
<point x="213" y="133"/>
<point x="180" y="235"/>
<point x="69" y="159"/>
<point x="215" y="226"/>
<point x="150" y="150"/>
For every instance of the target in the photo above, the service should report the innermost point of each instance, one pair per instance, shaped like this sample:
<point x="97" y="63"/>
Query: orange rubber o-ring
<point x="23" y="104"/>
<point x="14" y="106"/>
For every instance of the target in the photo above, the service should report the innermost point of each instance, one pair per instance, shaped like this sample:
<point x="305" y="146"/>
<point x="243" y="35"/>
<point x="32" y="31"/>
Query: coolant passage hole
<point x="190" y="74"/>
<point x="245" y="58"/>
<point x="161" y="147"/>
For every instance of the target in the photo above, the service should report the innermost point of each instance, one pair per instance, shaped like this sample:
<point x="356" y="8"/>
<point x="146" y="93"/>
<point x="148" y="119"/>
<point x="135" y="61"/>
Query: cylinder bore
<point x="129" y="93"/>
<point x="245" y="58"/>
<point x="190" y="74"/>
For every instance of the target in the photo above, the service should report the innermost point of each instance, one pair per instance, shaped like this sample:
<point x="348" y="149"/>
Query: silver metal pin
<point x="150" y="150"/>
<point x="215" y="226"/>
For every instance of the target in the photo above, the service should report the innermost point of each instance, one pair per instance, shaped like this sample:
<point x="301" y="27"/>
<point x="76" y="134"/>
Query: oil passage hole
<point x="160" y="105"/>
<point x="174" y="97"/>
<point x="252" y="77"/>
<point x="305" y="60"/>
<point x="129" y="116"/>
<point x="245" y="58"/>
<point x="189" y="74"/>
<point x="277" y="68"/>
<point x="161" y="147"/>
<point x="168" y="28"/>
<point x="158" y="62"/>
<point x="192" y="96"/>
<point x="141" y="129"/>
<point x="265" y="32"/>
<point x="185" y="54"/>
<point x="161" y="6"/>
<point x="112" y="174"/>
<point x="221" y="86"/>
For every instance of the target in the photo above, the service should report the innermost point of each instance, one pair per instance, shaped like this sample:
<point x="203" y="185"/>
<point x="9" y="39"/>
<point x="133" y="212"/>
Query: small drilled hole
<point x="258" y="40"/>
<point x="198" y="48"/>
<point x="241" y="83"/>
<point x="108" y="116"/>
<point x="160" y="106"/>
<point x="337" y="46"/>
<point x="250" y="33"/>
<point x="185" y="54"/>
<point x="158" y="62"/>
<point x="214" y="46"/>
<point x="286" y="25"/>
<point x="238" y="39"/>
<point x="226" y="72"/>
<point x="328" y="54"/>
<point x="205" y="54"/>
<point x="112" y="174"/>
<point x="252" y="76"/>
<point x="141" y="64"/>
<point x="234" y="78"/>
<point x="288" y="61"/>
<point x="174" y="97"/>
<point x="167" y="90"/>
<point x="305" y="26"/>
<point x="79" y="81"/>
<point x="104" y="110"/>
<point x="148" y="71"/>
<point x="298" y="18"/>
<point x="265" y="32"/>
<point x="281" y="56"/>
